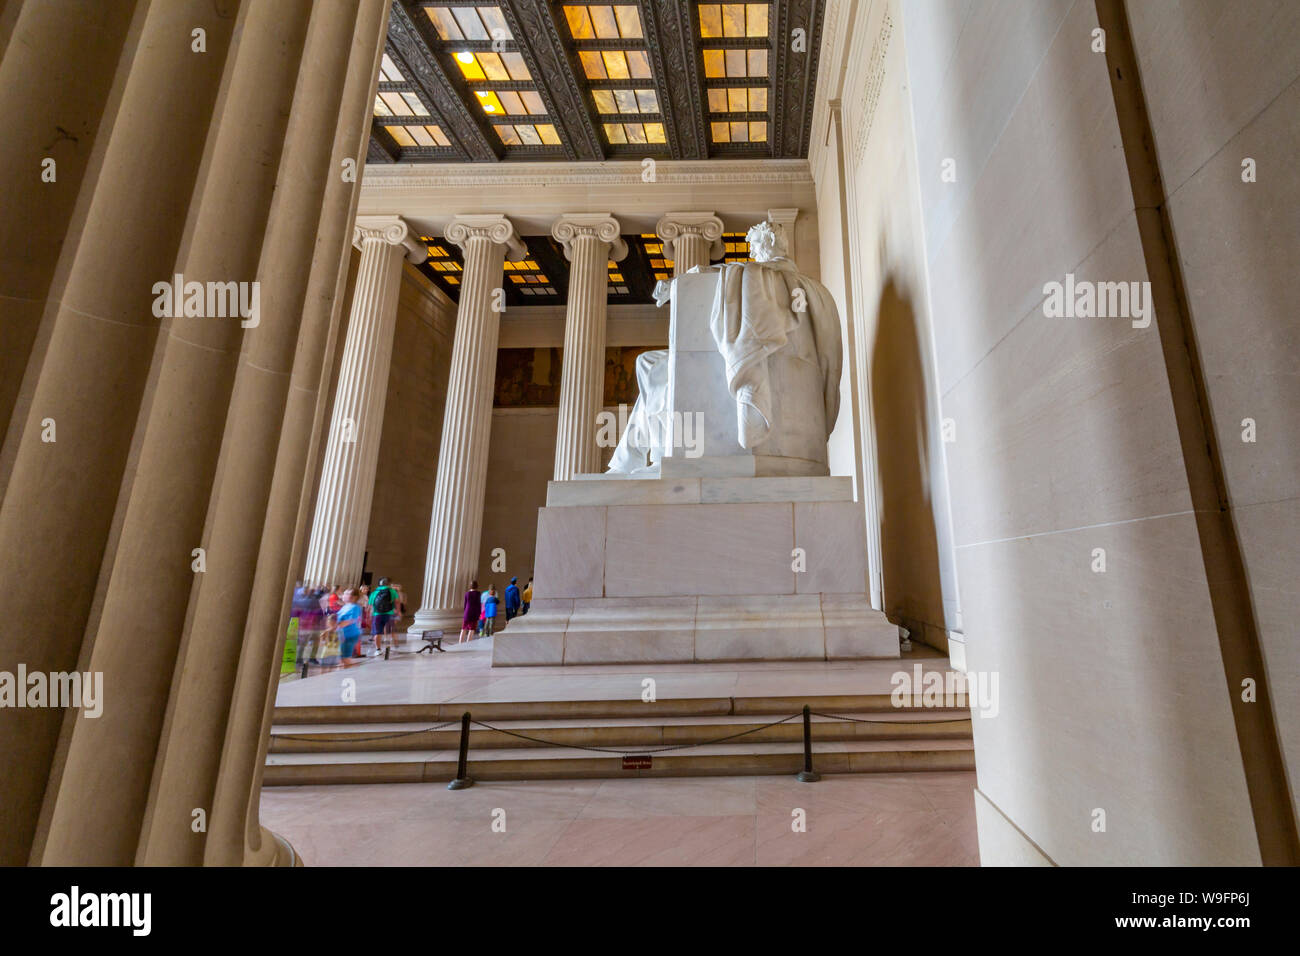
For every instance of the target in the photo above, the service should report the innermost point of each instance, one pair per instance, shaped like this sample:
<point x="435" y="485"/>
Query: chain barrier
<point x="868" y="720"/>
<point x="649" y="749"/>
<point x="364" y="740"/>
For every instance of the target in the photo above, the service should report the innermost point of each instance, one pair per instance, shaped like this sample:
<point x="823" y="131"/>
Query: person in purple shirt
<point x="473" y="607"/>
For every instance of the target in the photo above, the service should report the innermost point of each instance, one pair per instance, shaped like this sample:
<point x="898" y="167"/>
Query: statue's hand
<point x="663" y="291"/>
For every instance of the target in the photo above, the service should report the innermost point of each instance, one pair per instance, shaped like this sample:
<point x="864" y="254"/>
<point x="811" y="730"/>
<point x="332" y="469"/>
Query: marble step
<point x="426" y="766"/>
<point x="494" y="710"/>
<point x="615" y="732"/>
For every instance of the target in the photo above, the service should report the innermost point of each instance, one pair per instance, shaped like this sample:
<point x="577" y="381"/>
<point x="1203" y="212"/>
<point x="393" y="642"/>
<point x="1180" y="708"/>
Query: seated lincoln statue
<point x="778" y="334"/>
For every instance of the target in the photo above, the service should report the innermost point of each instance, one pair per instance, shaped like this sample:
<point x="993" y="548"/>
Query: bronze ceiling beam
<point x="383" y="148"/>
<point x="465" y="126"/>
<point x="794" y="76"/>
<point x="670" y="30"/>
<point x="538" y="39"/>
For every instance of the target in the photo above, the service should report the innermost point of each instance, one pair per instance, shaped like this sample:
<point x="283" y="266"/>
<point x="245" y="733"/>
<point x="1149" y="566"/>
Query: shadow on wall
<point x="904" y="427"/>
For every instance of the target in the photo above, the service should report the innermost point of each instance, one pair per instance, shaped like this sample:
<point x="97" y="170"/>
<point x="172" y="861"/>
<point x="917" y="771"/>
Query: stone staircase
<point x="536" y="740"/>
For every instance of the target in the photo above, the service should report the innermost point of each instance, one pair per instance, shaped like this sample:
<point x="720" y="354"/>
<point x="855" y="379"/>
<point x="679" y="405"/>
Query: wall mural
<point x="530" y="378"/>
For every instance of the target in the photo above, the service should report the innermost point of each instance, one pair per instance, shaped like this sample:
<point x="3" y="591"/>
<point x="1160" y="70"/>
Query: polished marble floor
<point x="465" y="673"/>
<point x="908" y="819"/>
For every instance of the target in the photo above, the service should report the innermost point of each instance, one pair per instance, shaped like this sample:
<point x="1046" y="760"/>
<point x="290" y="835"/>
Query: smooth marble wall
<point x="520" y="463"/>
<point x="1238" y="243"/>
<point x="896" y="415"/>
<point x="1112" y="690"/>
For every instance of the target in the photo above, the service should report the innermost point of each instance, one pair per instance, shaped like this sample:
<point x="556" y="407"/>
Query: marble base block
<point x="708" y="570"/>
<point x="682" y="630"/>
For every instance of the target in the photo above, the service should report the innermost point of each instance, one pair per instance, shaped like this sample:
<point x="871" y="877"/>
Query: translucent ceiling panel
<point x="603" y="22"/>
<point x="390" y="72"/>
<point x="629" y="21"/>
<point x="514" y="63"/>
<point x="638" y="64"/>
<point x="495" y="21"/>
<point x="444" y="23"/>
<point x="579" y="23"/>
<point x="414" y="106"/>
<point x="471" y="25"/>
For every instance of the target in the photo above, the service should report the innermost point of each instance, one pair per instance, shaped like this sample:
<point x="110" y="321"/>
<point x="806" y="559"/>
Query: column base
<point x="275" y="851"/>
<point x="435" y="619"/>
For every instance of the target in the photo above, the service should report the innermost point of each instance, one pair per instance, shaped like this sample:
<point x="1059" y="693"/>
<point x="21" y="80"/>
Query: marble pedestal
<point x="682" y="569"/>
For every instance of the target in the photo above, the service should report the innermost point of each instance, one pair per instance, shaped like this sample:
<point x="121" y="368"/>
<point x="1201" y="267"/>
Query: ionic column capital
<point x="783" y="220"/>
<point x="703" y="224"/>
<point x="494" y="228"/>
<point x="393" y="230"/>
<point x="596" y="225"/>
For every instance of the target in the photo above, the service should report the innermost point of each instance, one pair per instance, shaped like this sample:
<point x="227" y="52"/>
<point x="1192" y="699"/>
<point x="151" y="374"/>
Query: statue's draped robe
<point x="754" y="313"/>
<point x="646" y="427"/>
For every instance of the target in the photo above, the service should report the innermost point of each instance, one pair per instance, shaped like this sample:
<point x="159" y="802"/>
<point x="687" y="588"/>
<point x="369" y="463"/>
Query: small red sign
<point x="638" y="762"/>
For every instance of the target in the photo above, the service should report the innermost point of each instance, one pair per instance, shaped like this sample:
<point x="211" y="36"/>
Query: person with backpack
<point x="383" y="613"/>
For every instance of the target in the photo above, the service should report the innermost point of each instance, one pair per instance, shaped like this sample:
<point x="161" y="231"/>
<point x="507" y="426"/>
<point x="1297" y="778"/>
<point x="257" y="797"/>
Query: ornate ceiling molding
<point x="378" y="151"/>
<point x="796" y="75"/>
<point x="670" y="30"/>
<point x="409" y="48"/>
<point x="538" y="38"/>
<point x="401" y="176"/>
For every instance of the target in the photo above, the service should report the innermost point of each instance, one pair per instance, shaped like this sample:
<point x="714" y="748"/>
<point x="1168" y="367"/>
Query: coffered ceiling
<point x="576" y="80"/>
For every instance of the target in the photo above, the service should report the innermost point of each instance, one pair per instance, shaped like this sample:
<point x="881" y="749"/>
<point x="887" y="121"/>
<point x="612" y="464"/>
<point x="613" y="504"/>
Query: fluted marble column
<point x="347" y="485"/>
<point x="89" y="369"/>
<point x="457" y="519"/>
<point x="690" y="239"/>
<point x="590" y="240"/>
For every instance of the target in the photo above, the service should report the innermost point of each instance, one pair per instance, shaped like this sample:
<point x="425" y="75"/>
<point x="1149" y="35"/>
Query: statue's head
<point x="765" y="243"/>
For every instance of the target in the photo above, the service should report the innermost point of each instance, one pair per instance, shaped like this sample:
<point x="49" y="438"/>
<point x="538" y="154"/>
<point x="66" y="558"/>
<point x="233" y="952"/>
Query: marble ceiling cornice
<point x="609" y="173"/>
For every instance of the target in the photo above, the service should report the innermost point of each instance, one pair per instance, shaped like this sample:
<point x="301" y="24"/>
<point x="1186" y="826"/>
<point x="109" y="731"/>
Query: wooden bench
<point x="432" y="642"/>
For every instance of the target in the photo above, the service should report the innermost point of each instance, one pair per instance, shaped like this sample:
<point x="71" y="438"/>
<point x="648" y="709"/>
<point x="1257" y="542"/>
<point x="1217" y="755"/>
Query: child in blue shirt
<point x="490" y="602"/>
<point x="349" y="618"/>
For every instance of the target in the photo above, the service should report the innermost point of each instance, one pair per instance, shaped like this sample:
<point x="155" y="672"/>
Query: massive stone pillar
<point x="45" y="168"/>
<point x="590" y="241"/>
<point x="690" y="239"/>
<point x="235" y="833"/>
<point x="173" y="465"/>
<point x="457" y="519"/>
<point x="205" y="717"/>
<point x="347" y="484"/>
<point x="86" y="376"/>
<point x="162" y="521"/>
